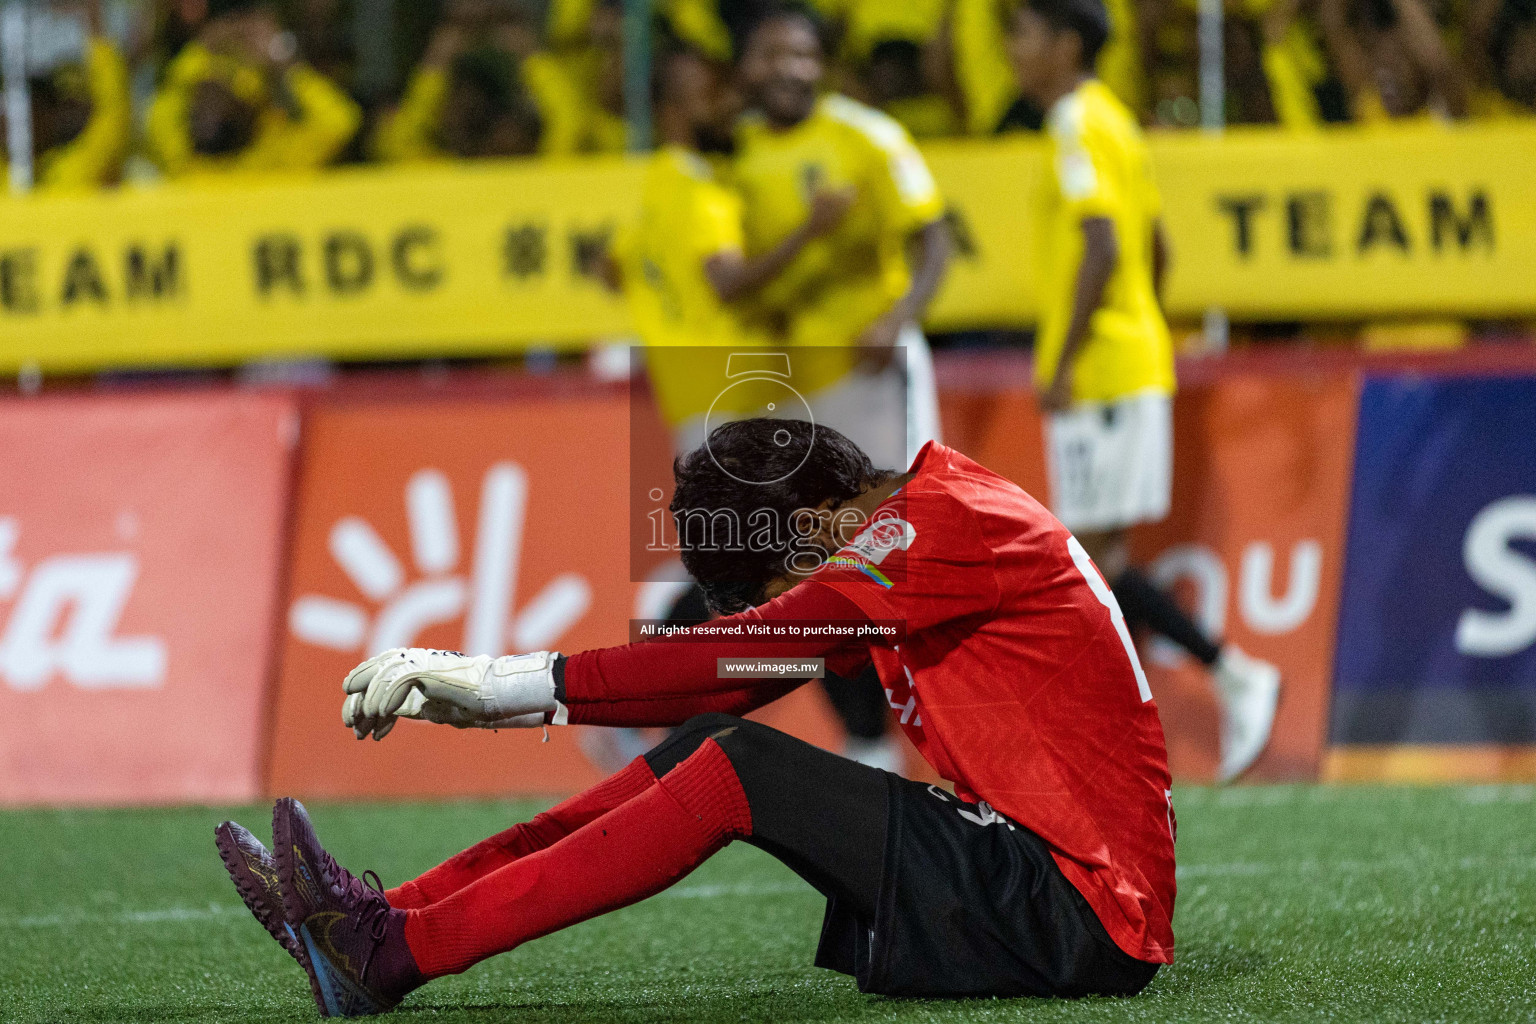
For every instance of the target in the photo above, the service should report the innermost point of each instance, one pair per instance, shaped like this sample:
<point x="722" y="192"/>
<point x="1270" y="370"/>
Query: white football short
<point x="1111" y="463"/>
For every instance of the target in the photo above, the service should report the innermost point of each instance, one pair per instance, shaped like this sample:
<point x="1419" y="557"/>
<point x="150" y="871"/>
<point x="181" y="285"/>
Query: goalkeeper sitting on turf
<point x="1048" y="871"/>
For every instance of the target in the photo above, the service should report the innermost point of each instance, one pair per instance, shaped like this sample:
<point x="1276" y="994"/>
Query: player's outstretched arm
<point x="652" y="683"/>
<point x="672" y="711"/>
<point x="931" y="247"/>
<point x="687" y="664"/>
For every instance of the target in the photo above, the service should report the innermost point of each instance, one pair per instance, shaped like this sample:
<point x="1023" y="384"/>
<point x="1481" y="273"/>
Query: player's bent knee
<point x="703" y="727"/>
<point x="687" y="738"/>
<point x="749" y="745"/>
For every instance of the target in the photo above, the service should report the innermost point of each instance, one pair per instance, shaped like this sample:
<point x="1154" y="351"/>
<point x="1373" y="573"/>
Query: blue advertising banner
<point x="1437" y="629"/>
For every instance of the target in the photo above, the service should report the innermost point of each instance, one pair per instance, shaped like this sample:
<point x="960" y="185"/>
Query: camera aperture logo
<point x="759" y="386"/>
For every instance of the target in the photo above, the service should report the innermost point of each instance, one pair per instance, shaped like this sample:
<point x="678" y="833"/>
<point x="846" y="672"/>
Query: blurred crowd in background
<point x="145" y="89"/>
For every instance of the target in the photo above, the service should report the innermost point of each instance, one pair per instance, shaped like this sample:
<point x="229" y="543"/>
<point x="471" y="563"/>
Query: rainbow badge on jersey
<point x="870" y="548"/>
<point x="849" y="562"/>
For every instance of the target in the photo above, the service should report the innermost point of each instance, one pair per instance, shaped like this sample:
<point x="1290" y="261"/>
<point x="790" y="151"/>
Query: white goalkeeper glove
<point x="512" y="692"/>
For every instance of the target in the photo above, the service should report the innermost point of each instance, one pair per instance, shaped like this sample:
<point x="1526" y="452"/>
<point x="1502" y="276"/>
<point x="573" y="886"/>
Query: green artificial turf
<point x="1295" y="904"/>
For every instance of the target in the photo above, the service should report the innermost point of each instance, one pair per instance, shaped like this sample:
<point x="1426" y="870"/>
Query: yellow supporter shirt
<point x="686" y="216"/>
<point x="409" y="133"/>
<point x="1492" y="105"/>
<point x="695" y="22"/>
<point x="869" y="22"/>
<point x="985" y="75"/>
<point x="982" y="71"/>
<point x="698" y="23"/>
<point x="1101" y="169"/>
<point x="323" y="121"/>
<point x="1290" y="88"/>
<point x="95" y="157"/>
<point x="1119" y="63"/>
<point x="929" y="116"/>
<point x="840" y="284"/>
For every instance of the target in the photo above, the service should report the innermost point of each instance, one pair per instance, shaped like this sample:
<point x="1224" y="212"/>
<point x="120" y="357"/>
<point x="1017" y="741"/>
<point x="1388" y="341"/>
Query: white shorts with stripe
<point x="1111" y="463"/>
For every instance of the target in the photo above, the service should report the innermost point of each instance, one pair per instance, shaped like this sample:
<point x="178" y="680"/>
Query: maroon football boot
<point x="359" y="962"/>
<point x="254" y="872"/>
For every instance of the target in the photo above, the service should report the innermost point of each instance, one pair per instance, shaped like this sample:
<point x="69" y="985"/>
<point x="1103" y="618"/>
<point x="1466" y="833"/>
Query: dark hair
<point x="220" y="8"/>
<point x="1374" y="14"/>
<point x="1087" y="18"/>
<point x="221" y="122"/>
<point x="744" y="29"/>
<point x="495" y="76"/>
<point x="904" y="59"/>
<point x="765" y="469"/>
<point x="1513" y="16"/>
<point x="491" y="72"/>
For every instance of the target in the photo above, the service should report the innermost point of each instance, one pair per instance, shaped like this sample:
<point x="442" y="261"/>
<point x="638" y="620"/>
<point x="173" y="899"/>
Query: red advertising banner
<point x="140" y="542"/>
<point x="487" y="527"/>
<point x="1254" y="543"/>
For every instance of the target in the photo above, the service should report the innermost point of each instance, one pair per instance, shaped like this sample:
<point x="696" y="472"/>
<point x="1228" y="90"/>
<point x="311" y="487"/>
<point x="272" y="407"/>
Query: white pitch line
<point x="1273" y="795"/>
<point x="710" y="892"/>
<point x="1397" y="865"/>
<point x="1497" y="794"/>
<point x="177" y="915"/>
<point x="1230" y="869"/>
<point x="165" y="914"/>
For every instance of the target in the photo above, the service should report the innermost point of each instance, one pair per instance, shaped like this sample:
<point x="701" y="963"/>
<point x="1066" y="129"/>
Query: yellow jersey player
<point x="868" y="282"/>
<point x="683" y="265"/>
<point x="1103" y="356"/>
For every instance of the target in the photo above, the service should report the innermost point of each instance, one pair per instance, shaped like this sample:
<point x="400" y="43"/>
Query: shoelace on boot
<point x="373" y="913"/>
<point x="340" y="878"/>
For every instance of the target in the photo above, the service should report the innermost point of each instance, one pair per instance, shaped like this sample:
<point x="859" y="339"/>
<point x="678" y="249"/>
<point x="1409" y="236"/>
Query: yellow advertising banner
<point x="478" y="259"/>
<point x="352" y="264"/>
<point x="1424" y="219"/>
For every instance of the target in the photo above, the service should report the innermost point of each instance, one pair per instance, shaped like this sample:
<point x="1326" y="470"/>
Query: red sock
<point x="632" y="852"/>
<point x="520" y="840"/>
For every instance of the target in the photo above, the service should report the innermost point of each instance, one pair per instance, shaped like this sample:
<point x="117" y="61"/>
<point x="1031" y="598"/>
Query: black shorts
<point x="972" y="909"/>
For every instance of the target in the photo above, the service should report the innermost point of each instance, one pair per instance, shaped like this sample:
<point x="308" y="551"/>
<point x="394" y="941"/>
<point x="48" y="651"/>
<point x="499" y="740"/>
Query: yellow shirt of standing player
<point x="686" y="216"/>
<point x="1100" y="168"/>
<point x="838" y="285"/>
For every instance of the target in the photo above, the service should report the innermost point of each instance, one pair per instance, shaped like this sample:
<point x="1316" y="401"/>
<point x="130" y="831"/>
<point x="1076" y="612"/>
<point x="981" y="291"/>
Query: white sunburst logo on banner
<point x="442" y="592"/>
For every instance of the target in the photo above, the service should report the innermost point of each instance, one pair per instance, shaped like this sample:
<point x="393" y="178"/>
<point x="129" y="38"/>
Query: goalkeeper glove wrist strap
<point x="519" y="685"/>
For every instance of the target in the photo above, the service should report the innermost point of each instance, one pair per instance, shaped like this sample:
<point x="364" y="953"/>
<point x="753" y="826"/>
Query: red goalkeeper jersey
<point x="1014" y="676"/>
<point x="1018" y="681"/>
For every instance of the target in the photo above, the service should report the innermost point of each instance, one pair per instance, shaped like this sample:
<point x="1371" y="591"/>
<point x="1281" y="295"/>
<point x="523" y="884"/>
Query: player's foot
<point x="254" y="872"/>
<point x="1248" y="690"/>
<point x="359" y="962"/>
